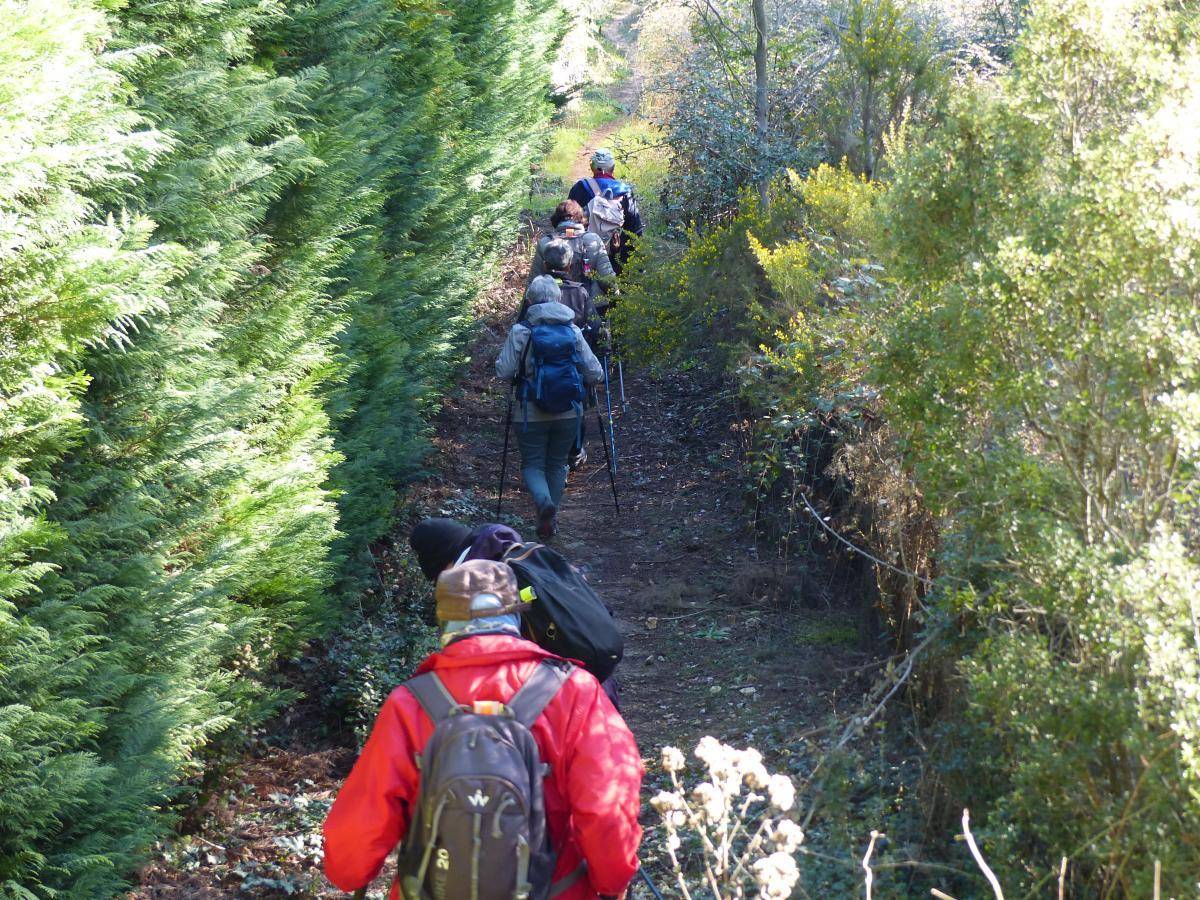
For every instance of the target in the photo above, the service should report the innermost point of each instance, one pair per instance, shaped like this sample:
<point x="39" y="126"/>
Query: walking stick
<point x="621" y="382"/>
<point x="504" y="455"/>
<point x="609" y="457"/>
<point x="650" y="884"/>
<point x="612" y="428"/>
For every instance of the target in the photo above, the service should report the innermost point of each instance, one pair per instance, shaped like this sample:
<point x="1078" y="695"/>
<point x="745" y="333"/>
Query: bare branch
<point x="987" y="872"/>
<point x="866" y="862"/>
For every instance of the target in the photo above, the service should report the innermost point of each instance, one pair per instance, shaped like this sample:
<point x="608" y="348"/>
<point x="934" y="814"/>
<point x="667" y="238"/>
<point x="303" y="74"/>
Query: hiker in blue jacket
<point x="602" y="178"/>
<point x="546" y="437"/>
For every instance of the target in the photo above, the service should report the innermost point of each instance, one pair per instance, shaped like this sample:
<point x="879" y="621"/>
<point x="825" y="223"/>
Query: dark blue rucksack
<point x="555" y="384"/>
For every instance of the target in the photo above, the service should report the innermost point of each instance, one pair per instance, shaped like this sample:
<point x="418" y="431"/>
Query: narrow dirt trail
<point x="718" y="641"/>
<point x="754" y="651"/>
<point x="621" y="31"/>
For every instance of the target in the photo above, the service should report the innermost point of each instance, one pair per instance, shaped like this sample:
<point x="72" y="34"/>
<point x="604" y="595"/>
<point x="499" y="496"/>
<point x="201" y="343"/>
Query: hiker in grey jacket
<point x="545" y="438"/>
<point x="591" y="262"/>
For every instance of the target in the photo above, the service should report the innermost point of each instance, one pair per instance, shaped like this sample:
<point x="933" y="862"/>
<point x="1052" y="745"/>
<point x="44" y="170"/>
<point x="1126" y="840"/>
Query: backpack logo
<point x="479" y="798"/>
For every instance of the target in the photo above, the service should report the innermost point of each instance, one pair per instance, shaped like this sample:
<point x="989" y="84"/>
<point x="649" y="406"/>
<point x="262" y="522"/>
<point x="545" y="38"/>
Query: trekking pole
<point x="504" y="454"/>
<point x="608" y="456"/>
<point x="621" y="383"/>
<point x="650" y="884"/>
<point x="612" y="427"/>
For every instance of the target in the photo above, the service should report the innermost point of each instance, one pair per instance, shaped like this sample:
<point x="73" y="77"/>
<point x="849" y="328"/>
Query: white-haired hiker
<point x="547" y="358"/>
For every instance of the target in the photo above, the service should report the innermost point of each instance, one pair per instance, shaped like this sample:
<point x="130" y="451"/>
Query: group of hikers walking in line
<point x="560" y="348"/>
<point x="504" y="769"/>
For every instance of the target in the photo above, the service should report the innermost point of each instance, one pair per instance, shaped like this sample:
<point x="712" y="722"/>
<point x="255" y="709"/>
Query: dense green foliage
<point x="999" y="339"/>
<point x="841" y="75"/>
<point x="241" y="238"/>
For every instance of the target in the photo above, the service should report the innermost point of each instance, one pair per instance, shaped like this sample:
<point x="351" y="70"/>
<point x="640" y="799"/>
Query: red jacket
<point x="592" y="792"/>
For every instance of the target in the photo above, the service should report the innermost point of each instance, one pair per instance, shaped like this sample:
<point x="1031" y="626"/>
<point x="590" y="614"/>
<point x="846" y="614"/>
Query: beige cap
<point x="464" y="592"/>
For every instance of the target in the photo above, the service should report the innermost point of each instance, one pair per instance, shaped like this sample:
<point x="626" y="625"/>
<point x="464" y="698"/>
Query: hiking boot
<point x="579" y="460"/>
<point x="547" y="524"/>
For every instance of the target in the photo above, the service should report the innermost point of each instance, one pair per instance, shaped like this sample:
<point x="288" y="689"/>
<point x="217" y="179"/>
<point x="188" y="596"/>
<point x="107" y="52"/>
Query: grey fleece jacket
<point x="513" y="350"/>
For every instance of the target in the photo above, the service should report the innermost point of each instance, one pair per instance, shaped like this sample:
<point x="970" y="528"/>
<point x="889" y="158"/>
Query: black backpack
<point x="567" y="617"/>
<point x="577" y="297"/>
<point x="479" y="825"/>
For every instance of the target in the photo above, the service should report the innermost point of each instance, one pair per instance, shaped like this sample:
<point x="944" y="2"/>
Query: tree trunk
<point x="760" y="92"/>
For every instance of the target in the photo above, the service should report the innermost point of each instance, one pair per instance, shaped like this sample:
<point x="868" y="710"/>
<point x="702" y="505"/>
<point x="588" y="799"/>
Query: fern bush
<point x="241" y="240"/>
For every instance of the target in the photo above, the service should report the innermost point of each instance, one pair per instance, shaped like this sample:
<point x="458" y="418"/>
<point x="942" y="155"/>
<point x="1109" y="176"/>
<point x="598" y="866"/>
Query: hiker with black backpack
<point x="590" y="263"/>
<point x="565" y="615"/>
<point x="503" y="769"/>
<point x="611" y="208"/>
<point x="558" y="260"/>
<point x="550" y="366"/>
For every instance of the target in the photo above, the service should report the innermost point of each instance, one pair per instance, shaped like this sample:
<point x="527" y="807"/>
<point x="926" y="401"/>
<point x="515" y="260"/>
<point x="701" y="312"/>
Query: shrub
<point x="1026" y="344"/>
<point x="242" y="240"/>
<point x="996" y="350"/>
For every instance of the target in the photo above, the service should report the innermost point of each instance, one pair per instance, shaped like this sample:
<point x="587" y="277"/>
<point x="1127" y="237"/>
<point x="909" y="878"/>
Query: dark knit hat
<point x="437" y="543"/>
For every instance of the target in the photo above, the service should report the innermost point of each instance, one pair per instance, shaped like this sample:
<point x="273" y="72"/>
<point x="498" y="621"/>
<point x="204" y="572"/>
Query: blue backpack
<point x="555" y="384"/>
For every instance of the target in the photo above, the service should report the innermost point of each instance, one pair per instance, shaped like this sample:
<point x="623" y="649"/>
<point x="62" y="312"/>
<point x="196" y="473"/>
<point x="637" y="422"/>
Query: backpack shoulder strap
<point x="527" y="703"/>
<point x="524" y="356"/>
<point x="520" y="552"/>
<point x="432" y="695"/>
<point x="594" y="186"/>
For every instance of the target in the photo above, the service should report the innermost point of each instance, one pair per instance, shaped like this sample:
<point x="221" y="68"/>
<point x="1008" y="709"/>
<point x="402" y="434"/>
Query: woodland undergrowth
<point x="963" y="327"/>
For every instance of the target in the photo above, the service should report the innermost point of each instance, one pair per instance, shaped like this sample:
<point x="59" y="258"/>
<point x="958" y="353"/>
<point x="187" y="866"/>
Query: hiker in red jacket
<point x="591" y="790"/>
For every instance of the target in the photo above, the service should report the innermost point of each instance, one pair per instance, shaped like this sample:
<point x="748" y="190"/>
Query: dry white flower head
<point x="776" y="875"/>
<point x="672" y="759"/>
<point x="754" y="773"/>
<point x="711" y="800"/>
<point x="787" y="836"/>
<point x="719" y="758"/>
<point x="709" y="749"/>
<point x="673" y="842"/>
<point x="666" y="801"/>
<point x="782" y="792"/>
<point x="746" y="766"/>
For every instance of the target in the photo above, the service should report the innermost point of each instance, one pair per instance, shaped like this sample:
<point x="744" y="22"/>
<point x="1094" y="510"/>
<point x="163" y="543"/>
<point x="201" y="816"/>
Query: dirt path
<point x="622" y="32"/>
<point x="754" y="651"/>
<point x="719" y="641"/>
